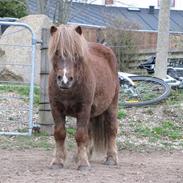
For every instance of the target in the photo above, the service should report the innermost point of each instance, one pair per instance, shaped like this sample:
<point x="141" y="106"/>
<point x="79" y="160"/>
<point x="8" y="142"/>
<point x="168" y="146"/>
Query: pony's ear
<point x="78" y="30"/>
<point x="53" y="29"/>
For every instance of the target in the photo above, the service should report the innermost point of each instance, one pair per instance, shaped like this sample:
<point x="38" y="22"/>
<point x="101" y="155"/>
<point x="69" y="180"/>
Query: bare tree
<point x="120" y="37"/>
<point x="42" y="6"/>
<point x="163" y="39"/>
<point x="61" y="11"/>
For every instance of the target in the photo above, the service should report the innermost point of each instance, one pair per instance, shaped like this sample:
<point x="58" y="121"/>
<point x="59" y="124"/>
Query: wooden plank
<point x="45" y="116"/>
<point x="44" y="106"/>
<point x="44" y="88"/>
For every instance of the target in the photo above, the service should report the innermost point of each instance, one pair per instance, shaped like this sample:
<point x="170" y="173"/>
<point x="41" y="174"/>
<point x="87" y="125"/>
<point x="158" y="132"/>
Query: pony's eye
<point x="57" y="53"/>
<point x="76" y="56"/>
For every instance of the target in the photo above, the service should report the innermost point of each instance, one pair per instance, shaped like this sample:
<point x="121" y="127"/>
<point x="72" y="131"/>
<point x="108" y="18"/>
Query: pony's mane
<point x="67" y="42"/>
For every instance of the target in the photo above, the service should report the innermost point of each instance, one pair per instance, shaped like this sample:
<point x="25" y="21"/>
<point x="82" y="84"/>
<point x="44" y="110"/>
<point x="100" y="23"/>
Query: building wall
<point x="147" y="40"/>
<point x="146" y="45"/>
<point x="90" y="34"/>
<point x="176" y="4"/>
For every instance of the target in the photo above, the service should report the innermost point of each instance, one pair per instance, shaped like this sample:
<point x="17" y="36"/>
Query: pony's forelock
<point x="67" y="42"/>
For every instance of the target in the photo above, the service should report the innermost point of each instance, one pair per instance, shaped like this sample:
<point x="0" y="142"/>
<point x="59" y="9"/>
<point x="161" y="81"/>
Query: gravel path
<point x="14" y="112"/>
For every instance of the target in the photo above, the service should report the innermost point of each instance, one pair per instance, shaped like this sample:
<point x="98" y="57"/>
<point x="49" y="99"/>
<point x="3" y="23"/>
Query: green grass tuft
<point x="121" y="114"/>
<point x="166" y="129"/>
<point x="22" y="90"/>
<point x="71" y="131"/>
<point x="26" y="142"/>
<point x="176" y="97"/>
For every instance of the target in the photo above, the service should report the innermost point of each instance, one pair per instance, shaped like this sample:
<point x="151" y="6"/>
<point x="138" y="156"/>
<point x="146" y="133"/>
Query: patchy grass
<point x="175" y="98"/>
<point x="157" y="127"/>
<point x="25" y="142"/>
<point x="166" y="130"/>
<point x="38" y="140"/>
<point x="121" y="113"/>
<point x="22" y="90"/>
<point x="154" y="127"/>
<point x="141" y="135"/>
<point x="71" y="143"/>
<point x="71" y="132"/>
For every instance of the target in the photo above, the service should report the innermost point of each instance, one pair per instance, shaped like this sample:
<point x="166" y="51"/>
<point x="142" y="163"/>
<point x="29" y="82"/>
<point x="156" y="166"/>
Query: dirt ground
<point x="32" y="166"/>
<point x="157" y="161"/>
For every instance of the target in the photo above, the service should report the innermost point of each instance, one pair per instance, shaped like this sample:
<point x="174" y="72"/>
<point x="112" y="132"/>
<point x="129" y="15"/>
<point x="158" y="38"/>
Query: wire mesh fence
<point x="17" y="65"/>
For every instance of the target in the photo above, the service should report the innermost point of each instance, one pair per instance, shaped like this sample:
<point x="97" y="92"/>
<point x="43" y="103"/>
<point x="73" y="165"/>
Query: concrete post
<point x="163" y="39"/>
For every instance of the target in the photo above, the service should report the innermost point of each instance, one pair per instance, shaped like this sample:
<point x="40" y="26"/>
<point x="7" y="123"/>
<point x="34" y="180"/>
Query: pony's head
<point x="67" y="49"/>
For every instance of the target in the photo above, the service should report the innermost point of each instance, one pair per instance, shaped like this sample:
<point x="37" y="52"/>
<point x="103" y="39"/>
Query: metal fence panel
<point x="18" y="119"/>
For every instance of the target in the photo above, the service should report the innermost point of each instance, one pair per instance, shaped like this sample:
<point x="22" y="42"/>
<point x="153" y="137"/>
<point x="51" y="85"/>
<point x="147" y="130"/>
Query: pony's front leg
<point x="81" y="137"/>
<point x="59" y="135"/>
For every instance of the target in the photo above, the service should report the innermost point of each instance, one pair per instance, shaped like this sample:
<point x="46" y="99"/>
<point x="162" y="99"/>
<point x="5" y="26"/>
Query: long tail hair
<point x="98" y="133"/>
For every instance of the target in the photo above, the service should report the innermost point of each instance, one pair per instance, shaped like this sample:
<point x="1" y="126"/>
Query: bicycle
<point x="174" y="72"/>
<point x="138" y="91"/>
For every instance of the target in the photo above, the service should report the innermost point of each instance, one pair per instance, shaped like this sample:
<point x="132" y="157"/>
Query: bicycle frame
<point x="128" y="83"/>
<point x="173" y="81"/>
<point x="126" y="76"/>
<point x="138" y="90"/>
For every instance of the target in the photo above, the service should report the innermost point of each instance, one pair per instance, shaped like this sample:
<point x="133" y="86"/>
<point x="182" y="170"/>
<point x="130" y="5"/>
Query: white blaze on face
<point x="65" y="79"/>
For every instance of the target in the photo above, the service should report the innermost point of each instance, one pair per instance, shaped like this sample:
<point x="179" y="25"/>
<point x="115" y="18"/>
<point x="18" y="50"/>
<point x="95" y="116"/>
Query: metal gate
<point x="16" y="110"/>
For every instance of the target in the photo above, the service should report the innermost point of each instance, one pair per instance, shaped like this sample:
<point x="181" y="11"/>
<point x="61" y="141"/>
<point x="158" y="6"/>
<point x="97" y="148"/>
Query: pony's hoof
<point x="84" y="167"/>
<point x="56" y="165"/>
<point x="110" y="161"/>
<point x="90" y="153"/>
<point x="75" y="158"/>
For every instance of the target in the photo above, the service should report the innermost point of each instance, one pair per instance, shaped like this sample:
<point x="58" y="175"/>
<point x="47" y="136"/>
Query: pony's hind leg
<point x="59" y="135"/>
<point x="112" y="128"/>
<point x="111" y="123"/>
<point x="90" y="145"/>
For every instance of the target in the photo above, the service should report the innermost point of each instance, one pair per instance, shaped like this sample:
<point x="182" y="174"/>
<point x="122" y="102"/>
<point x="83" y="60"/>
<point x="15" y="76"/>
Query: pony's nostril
<point x="59" y="77"/>
<point x="70" y="78"/>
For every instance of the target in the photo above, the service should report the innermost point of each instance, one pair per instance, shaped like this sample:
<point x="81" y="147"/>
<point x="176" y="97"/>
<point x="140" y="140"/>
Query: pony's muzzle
<point x="64" y="82"/>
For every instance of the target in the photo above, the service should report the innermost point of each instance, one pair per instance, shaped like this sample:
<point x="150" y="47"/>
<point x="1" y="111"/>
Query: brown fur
<point x="93" y="97"/>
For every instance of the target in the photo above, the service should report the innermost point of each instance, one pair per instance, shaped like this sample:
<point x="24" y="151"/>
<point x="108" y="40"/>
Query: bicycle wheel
<point x="147" y="90"/>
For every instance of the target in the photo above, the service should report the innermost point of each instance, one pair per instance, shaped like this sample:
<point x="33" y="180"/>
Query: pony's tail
<point x="98" y="133"/>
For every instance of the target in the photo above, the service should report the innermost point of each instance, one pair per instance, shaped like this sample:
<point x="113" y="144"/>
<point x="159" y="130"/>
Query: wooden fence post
<point x="45" y="116"/>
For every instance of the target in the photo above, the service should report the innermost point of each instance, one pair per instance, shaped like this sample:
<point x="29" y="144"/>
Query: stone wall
<point x="15" y="43"/>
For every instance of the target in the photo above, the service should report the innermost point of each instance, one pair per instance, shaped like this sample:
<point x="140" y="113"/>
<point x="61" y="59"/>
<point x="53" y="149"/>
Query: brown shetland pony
<point x="83" y="84"/>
